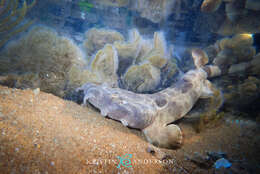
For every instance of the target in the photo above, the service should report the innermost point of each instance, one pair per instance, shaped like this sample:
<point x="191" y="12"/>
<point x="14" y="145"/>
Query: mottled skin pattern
<point x="152" y="113"/>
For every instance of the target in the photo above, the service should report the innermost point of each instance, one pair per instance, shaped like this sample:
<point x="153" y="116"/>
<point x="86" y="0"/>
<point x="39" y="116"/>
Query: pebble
<point x="52" y="163"/>
<point x="200" y="160"/>
<point x="36" y="91"/>
<point x="1" y="115"/>
<point x="5" y="92"/>
<point x="151" y="150"/>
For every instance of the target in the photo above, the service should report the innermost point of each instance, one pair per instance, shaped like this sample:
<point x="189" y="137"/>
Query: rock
<point x="210" y="5"/>
<point x="253" y="5"/>
<point x="200" y="160"/>
<point x="258" y="118"/>
<point x="216" y="155"/>
<point x="36" y="91"/>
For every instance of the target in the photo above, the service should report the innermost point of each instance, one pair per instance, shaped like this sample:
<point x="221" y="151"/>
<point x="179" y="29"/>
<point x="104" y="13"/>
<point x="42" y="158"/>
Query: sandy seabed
<point x="42" y="133"/>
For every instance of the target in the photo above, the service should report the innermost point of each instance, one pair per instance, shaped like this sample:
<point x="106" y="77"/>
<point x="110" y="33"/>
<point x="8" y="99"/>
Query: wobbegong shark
<point x="156" y="113"/>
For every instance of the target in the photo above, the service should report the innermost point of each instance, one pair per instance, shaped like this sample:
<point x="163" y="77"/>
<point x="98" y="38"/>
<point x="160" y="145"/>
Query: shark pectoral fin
<point x="207" y="90"/>
<point x="169" y="136"/>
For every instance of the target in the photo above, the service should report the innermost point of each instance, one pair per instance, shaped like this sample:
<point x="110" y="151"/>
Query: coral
<point x="158" y="55"/>
<point x="210" y="117"/>
<point x="234" y="54"/>
<point x="105" y="65"/>
<point x="247" y="23"/>
<point x="238" y="68"/>
<point x="250" y="86"/>
<point x="243" y="94"/>
<point x="210" y="5"/>
<point x="11" y="17"/>
<point x="23" y="81"/>
<point x="142" y="78"/>
<point x="155" y="57"/>
<point x="42" y="52"/>
<point x="240" y="47"/>
<point x="79" y="76"/>
<point x="103" y="69"/>
<point x="138" y="64"/>
<point x="128" y="51"/>
<point x="237" y="41"/>
<point x="169" y="73"/>
<point x="245" y="54"/>
<point x="97" y="38"/>
<point x="145" y="48"/>
<point x="255" y="65"/>
<point x="225" y="57"/>
<point x="241" y="40"/>
<point x="241" y="17"/>
<point x="59" y="64"/>
<point x="150" y="58"/>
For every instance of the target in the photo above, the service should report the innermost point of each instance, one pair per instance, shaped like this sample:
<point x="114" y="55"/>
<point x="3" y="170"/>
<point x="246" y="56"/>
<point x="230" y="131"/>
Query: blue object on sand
<point x="222" y="162"/>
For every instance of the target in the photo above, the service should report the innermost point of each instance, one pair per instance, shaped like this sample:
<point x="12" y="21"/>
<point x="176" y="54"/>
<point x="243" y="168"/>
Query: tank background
<point x="189" y="26"/>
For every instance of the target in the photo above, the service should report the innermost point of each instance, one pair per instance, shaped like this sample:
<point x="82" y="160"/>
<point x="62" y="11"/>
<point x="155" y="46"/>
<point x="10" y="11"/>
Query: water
<point x="140" y="56"/>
